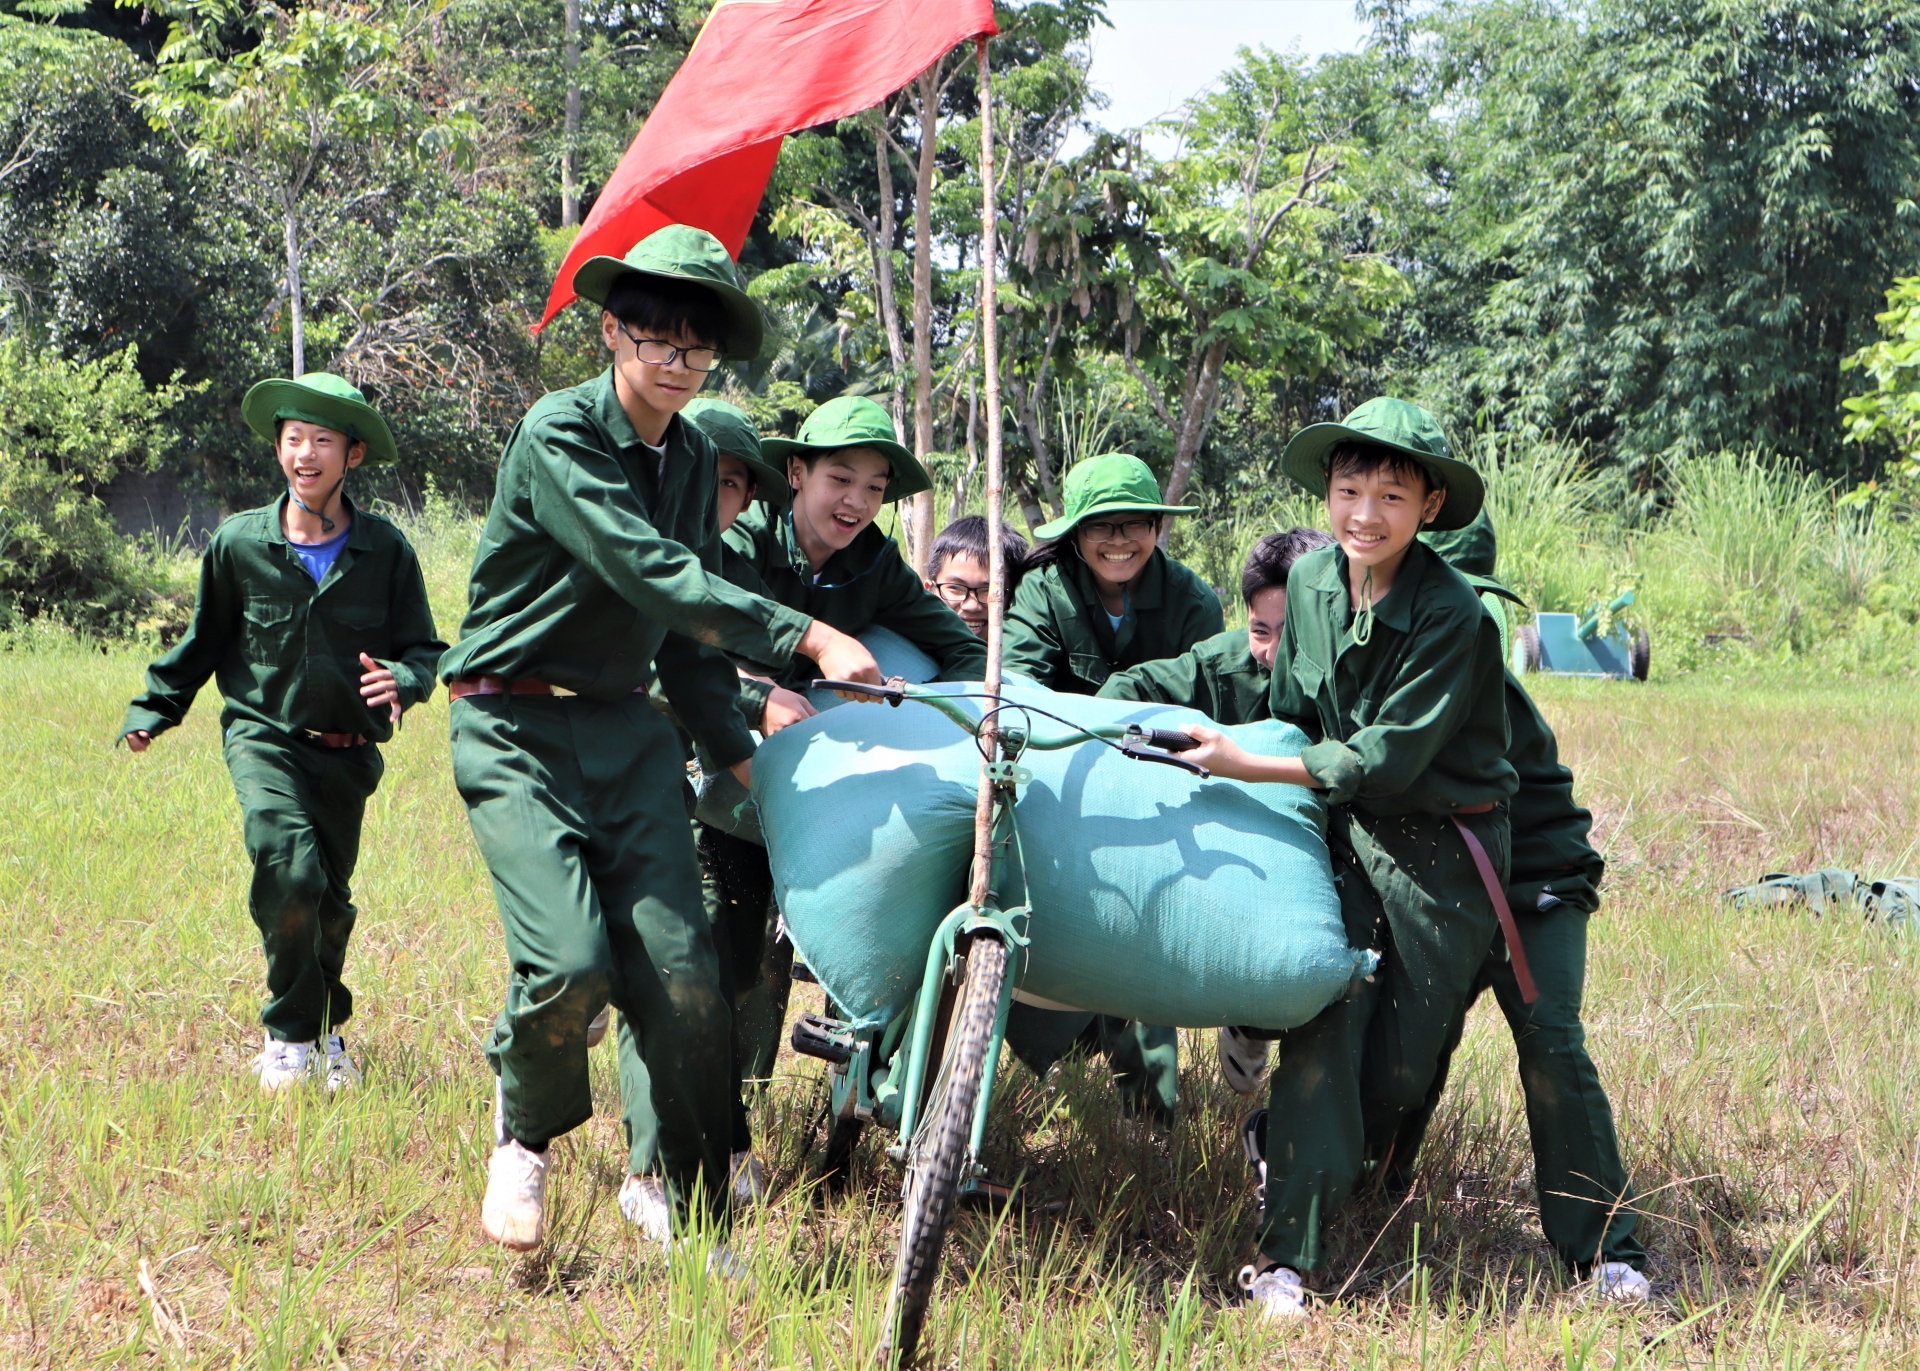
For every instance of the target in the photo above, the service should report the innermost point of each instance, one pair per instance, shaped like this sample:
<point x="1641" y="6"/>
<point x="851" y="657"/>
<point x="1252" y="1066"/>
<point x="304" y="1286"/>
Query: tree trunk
<point x="570" y="154"/>
<point x="919" y="519"/>
<point x="1197" y="420"/>
<point x="296" y="306"/>
<point x="882" y="244"/>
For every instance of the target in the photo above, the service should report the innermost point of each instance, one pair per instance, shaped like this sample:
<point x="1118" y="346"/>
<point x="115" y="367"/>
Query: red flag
<point x="759" y="70"/>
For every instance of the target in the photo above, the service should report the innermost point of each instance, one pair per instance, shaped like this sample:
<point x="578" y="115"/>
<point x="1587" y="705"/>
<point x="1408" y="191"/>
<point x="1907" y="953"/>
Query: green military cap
<point x="1473" y="550"/>
<point x="680" y="252"/>
<point x="855" y="421"/>
<point x="321" y="398"/>
<point x="1112" y="483"/>
<point x="733" y="433"/>
<point x="1404" y="428"/>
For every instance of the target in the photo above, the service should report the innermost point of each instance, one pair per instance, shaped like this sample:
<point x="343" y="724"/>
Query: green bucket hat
<point x="733" y="433"/>
<point x="1112" y="483"/>
<point x="321" y="398"/>
<point x="680" y="252"/>
<point x="1405" y="428"/>
<point x="854" y="421"/>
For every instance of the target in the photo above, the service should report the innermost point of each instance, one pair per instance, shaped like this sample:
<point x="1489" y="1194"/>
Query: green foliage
<point x="66" y="429"/>
<point x="1890" y="411"/>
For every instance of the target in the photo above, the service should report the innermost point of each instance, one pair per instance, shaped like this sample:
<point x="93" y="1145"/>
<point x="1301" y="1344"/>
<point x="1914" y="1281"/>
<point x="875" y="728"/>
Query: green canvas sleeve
<point x="174" y="680"/>
<point x="1169" y="681"/>
<point x="416" y="642"/>
<point x="1030" y="645"/>
<point x="582" y="498"/>
<point x="705" y="692"/>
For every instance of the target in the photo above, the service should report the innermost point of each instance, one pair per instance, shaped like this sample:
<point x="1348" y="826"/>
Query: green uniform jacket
<point x="865" y="583"/>
<point x="1551" y="854"/>
<point x="286" y="653"/>
<point x="1414" y="722"/>
<point x="1219" y="677"/>
<point x="599" y="565"/>
<point x="1058" y="634"/>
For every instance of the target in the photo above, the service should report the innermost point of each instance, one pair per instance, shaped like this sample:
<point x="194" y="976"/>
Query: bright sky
<point x="1159" y="52"/>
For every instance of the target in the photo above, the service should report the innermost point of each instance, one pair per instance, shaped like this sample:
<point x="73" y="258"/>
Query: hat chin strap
<point x="326" y="525"/>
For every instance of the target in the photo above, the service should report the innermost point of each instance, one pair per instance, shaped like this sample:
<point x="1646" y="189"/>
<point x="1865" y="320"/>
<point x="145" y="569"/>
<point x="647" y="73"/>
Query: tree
<point x="1890" y="411"/>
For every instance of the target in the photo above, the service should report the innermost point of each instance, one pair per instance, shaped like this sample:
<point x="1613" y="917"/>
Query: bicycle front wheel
<point x="937" y="1157"/>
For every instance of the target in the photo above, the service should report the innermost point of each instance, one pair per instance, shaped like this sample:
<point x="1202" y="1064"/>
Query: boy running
<point x="1390" y="663"/>
<point x="313" y="617"/>
<point x="598" y="570"/>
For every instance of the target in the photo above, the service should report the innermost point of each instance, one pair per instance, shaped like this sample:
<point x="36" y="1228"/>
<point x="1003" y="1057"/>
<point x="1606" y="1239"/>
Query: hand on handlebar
<point x="1217" y="752"/>
<point x="840" y="657"/>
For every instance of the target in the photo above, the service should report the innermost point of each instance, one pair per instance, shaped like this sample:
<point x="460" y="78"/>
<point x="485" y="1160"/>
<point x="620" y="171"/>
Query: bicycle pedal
<point x="828" y="1039"/>
<point x="802" y="972"/>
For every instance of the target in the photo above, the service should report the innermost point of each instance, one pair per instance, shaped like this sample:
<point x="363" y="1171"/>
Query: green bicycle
<point x="929" y="1073"/>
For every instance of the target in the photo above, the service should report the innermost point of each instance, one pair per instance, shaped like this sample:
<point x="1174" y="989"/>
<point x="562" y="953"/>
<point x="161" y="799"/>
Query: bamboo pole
<point x="981" y="888"/>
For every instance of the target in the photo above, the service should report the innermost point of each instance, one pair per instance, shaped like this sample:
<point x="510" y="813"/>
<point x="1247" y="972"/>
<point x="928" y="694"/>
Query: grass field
<point x="1765" y="1068"/>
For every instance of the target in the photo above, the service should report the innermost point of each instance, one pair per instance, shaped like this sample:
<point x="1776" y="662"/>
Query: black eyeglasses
<point x="658" y="352"/>
<point x="957" y="593"/>
<point x="1101" y="531"/>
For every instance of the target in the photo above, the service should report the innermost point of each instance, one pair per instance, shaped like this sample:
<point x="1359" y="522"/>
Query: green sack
<point x="1829" y="885"/>
<point x="1155" y="895"/>
<point x="724" y="803"/>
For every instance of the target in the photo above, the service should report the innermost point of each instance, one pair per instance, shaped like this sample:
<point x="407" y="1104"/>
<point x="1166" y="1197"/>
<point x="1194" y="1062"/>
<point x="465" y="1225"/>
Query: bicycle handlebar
<point x="1131" y="740"/>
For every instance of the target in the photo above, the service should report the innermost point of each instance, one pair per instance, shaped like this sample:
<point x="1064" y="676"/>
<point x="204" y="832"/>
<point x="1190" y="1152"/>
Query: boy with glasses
<point x="598" y="571"/>
<point x="958" y="569"/>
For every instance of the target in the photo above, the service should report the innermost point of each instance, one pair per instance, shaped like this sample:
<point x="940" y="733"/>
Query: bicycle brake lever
<point x="1137" y="749"/>
<point x="893" y="692"/>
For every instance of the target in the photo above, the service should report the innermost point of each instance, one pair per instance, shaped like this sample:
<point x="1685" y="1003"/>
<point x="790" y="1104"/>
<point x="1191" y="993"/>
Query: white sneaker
<point x="281" y="1066"/>
<point x="342" y="1074"/>
<point x="1277" y="1295"/>
<point x="749" y="1179"/>
<point x="597" y="1030"/>
<point x="644" y="1204"/>
<point x="1618" y="1281"/>
<point x="1243" y="1060"/>
<point x="514" y="1213"/>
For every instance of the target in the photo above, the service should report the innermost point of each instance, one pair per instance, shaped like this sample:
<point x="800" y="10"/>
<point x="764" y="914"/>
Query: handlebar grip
<point x="892" y="694"/>
<point x="1141" y="753"/>
<point x="1171" y="740"/>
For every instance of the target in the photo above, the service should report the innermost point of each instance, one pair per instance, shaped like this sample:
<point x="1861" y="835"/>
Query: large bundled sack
<point x="1155" y="895"/>
<point x="723" y="803"/>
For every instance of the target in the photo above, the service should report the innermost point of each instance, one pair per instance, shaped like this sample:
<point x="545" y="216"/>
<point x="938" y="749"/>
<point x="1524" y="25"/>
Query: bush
<point x="66" y="429"/>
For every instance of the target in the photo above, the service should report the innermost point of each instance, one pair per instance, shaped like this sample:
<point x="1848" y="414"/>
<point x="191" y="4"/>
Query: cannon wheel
<point x="937" y="1155"/>
<point x="1640" y="654"/>
<point x="1526" y="649"/>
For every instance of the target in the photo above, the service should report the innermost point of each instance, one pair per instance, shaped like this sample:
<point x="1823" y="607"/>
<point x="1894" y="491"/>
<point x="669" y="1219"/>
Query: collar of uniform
<point x="1396" y="609"/>
<point x="841" y="568"/>
<point x="612" y="416"/>
<point x="1148" y="590"/>
<point x="274" y="529"/>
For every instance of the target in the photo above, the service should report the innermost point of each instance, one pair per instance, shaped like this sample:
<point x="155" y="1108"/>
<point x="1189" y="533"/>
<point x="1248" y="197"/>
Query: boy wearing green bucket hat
<point x="737" y="907"/>
<point x="313" y="617"/>
<point x="1099" y="597"/>
<point x="1389" y="661"/>
<point x="597" y="572"/>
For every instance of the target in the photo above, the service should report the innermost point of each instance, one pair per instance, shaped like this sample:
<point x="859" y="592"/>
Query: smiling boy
<point x="958" y="567"/>
<point x="598" y="569"/>
<point x="1390" y="663"/>
<point x="313" y="617"/>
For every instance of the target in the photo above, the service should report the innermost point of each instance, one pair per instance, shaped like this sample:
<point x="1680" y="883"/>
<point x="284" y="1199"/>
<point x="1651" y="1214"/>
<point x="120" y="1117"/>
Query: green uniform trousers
<point x="1586" y="1201"/>
<point x="1408" y="888"/>
<point x="738" y="889"/>
<point x="301" y="805"/>
<point x="577" y="808"/>
<point x="1144" y="1058"/>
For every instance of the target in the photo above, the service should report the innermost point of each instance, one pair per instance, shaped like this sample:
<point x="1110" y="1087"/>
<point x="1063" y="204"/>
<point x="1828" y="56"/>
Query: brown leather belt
<point x="1486" y="808"/>
<point x="1522" y="973"/>
<point x="464" y="686"/>
<point x="333" y="739"/>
